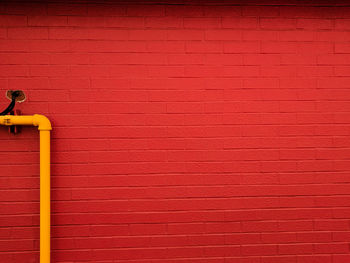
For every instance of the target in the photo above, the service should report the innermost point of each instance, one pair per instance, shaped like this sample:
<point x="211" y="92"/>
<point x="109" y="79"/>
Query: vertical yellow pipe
<point x="44" y="196"/>
<point x="44" y="126"/>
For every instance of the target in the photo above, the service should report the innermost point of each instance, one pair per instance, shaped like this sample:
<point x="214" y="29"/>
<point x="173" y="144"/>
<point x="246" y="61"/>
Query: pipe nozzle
<point x="18" y="95"/>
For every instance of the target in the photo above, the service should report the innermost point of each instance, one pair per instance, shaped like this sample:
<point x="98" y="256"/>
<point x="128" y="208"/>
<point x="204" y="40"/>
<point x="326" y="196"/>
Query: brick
<point x="224" y="11"/>
<point x="307" y="12"/>
<point x="261" y="83"/>
<point x="327" y="129"/>
<point x="68" y="59"/>
<point x="315" y="166"/>
<point x="108" y="46"/>
<point x="162" y="22"/>
<point x="199" y="47"/>
<point x="223" y="59"/>
<point x="222" y="227"/>
<point x="246" y="71"/>
<point x="262" y="59"/>
<point x="279" y="259"/>
<point x="145" y="35"/>
<point x="253" y="226"/>
<point x="336" y="248"/>
<point x="157" y="71"/>
<point x="95" y="9"/>
<point x="316" y="71"/>
<point x="13" y="21"/>
<point x="203" y="23"/>
<point x="259" y="250"/>
<point x="333" y="106"/>
<point x="314" y="118"/>
<point x="284" y="71"/>
<point x="336" y="36"/>
<point x="341" y="236"/>
<point x="46" y="70"/>
<point x="121" y="58"/>
<point x="227" y="251"/>
<point x="341" y="48"/>
<point x="297" y="36"/>
<point x="297" y="154"/>
<point x="333" y="153"/>
<point x="241" y="22"/>
<point x="342" y="24"/>
<point x="273" y="238"/>
<point x="110" y="34"/>
<point x="146" y="229"/>
<point x="106" y="22"/>
<point x="342" y="71"/>
<point x="333" y="82"/>
<point x="314" y="258"/>
<point x="27" y="33"/>
<point x="60" y="83"/>
<point x="332" y="225"/>
<point x="244" y="94"/>
<point x="242" y="47"/>
<point x="277" y="23"/>
<point x="13" y="245"/>
<point x="297" y="59"/>
<point x="314" y="236"/>
<point x="278" y="47"/>
<point x="185" y="228"/>
<point x="226" y="34"/>
<point x="333" y="59"/>
<point x="163" y="47"/>
<point x="145" y="10"/>
<point x="24" y="58"/>
<point x="13" y="71"/>
<point x="314" y="48"/>
<point x="315" y="24"/>
<point x="25" y="8"/>
<point x="266" y="11"/>
<point x="292" y="249"/>
<point x="292" y="226"/>
<point x="47" y="21"/>
<point x="259" y="35"/>
<point x="66" y="9"/>
<point x="188" y="34"/>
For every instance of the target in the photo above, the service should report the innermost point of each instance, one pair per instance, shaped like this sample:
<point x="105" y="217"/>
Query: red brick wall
<point x="182" y="133"/>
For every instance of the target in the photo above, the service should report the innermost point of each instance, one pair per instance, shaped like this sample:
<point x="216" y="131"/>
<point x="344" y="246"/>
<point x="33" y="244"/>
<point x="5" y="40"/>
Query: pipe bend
<point x="42" y="122"/>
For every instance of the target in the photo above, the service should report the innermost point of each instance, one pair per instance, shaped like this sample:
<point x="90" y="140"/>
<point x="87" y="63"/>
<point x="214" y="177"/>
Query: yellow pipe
<point x="44" y="196"/>
<point x="44" y="126"/>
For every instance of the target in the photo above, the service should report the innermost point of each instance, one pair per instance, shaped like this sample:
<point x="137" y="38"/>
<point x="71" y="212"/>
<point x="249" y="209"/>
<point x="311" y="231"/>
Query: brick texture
<point x="184" y="132"/>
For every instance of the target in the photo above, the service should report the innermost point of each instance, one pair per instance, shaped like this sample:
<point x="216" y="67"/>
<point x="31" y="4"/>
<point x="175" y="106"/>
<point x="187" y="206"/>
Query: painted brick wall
<point x="182" y="133"/>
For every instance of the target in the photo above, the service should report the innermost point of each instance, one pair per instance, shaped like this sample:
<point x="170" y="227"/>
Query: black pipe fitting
<point x="14" y="96"/>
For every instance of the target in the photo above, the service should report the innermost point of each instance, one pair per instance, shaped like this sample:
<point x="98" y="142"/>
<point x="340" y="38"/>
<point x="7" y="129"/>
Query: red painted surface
<point x="182" y="133"/>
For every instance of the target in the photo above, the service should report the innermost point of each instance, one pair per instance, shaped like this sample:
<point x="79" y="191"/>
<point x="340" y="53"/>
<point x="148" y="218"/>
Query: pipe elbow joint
<point x="42" y="122"/>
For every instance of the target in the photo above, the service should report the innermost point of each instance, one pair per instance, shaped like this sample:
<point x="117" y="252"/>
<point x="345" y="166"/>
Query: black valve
<point x="14" y="96"/>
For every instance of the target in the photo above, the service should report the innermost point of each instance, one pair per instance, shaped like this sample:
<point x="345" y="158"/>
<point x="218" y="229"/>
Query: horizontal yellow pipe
<point x="44" y="126"/>
<point x="38" y="120"/>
